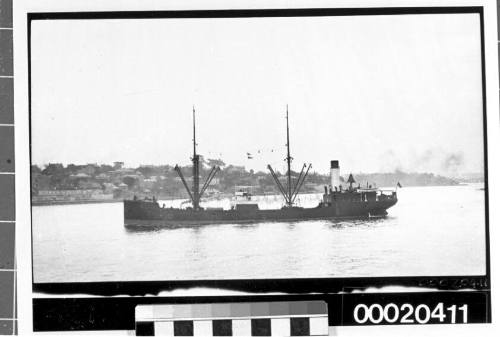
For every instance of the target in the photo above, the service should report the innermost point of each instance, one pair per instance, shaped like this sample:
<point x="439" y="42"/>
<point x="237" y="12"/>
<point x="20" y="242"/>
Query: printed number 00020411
<point x="408" y="314"/>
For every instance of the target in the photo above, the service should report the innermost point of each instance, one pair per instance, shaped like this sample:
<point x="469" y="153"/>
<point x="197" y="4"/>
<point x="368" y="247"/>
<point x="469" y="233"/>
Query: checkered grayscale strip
<point x="284" y="326"/>
<point x="294" y="318"/>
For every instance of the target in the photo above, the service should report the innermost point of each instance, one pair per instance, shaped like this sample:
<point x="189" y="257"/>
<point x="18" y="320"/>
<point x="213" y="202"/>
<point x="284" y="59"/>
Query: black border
<point x="303" y="285"/>
<point x="118" y="313"/>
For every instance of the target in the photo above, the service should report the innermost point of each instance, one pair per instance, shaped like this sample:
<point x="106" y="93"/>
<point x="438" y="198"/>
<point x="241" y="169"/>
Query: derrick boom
<point x="178" y="170"/>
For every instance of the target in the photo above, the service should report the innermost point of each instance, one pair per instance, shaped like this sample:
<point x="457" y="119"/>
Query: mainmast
<point x="194" y="132"/>
<point x="196" y="168"/>
<point x="196" y="194"/>
<point x="290" y="193"/>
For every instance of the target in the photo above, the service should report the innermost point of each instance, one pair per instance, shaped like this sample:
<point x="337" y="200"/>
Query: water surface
<point x="430" y="231"/>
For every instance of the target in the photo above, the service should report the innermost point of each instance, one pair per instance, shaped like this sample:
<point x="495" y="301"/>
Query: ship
<point x="337" y="202"/>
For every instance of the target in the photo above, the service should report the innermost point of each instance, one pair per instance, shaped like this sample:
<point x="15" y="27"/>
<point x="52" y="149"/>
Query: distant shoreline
<point x="74" y="202"/>
<point x="113" y="201"/>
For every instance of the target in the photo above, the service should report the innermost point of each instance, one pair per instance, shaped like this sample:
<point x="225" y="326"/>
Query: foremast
<point x="291" y="192"/>
<point x="196" y="194"/>
<point x="288" y="159"/>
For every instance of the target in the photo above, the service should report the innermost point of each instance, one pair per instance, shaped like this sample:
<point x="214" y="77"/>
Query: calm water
<point x="430" y="231"/>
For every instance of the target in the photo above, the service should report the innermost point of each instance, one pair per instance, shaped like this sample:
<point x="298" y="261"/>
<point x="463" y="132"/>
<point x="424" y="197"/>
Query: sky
<point x="377" y="93"/>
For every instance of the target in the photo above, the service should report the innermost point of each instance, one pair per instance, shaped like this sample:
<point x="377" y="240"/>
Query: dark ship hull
<point x="140" y="213"/>
<point x="337" y="202"/>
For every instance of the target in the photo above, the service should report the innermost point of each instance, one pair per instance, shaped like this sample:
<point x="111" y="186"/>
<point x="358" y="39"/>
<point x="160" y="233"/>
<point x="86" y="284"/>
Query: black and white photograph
<point x="257" y="147"/>
<point x="285" y="169"/>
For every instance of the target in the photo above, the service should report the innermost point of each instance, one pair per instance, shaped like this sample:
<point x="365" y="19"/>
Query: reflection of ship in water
<point x="337" y="202"/>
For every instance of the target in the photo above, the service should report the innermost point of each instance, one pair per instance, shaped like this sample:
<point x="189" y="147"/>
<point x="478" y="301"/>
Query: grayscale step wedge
<point x="294" y="318"/>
